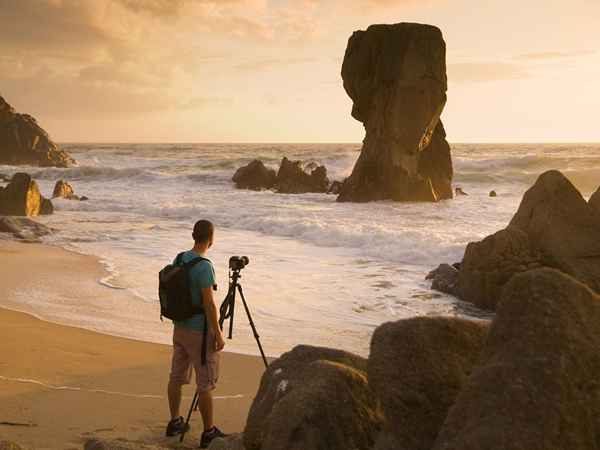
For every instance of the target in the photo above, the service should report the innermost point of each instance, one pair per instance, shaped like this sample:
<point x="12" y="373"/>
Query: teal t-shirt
<point x="202" y="275"/>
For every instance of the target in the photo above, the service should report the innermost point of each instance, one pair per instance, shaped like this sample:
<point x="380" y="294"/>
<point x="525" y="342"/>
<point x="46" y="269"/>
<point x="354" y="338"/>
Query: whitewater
<point x="320" y="272"/>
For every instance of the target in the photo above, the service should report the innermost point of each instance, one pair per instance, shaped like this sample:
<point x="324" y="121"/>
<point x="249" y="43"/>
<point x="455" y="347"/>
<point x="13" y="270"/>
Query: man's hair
<point x="203" y="231"/>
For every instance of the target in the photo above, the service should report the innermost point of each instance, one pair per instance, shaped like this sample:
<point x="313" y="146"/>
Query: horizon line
<point x="312" y="143"/>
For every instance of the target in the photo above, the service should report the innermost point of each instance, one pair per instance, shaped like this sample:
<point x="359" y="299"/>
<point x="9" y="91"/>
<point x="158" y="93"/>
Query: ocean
<point x="320" y="272"/>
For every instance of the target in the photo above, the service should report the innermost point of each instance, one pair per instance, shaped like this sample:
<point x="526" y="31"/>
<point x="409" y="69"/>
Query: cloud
<point x="272" y="63"/>
<point x="479" y="72"/>
<point x="555" y="55"/>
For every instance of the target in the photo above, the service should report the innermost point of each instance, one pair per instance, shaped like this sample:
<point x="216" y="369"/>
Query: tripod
<point x="227" y="311"/>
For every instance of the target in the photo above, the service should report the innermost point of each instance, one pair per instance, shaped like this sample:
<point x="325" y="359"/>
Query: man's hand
<point x="219" y="341"/>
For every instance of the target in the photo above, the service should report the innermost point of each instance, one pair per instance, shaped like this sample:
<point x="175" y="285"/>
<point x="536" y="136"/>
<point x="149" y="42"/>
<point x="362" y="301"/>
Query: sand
<point x="61" y="385"/>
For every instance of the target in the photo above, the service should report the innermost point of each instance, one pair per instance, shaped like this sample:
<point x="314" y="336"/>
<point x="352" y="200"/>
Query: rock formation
<point x="493" y="194"/>
<point x="594" y="200"/>
<point x="313" y="398"/>
<point x="23" y="141"/>
<point x="21" y="197"/>
<point x="537" y="386"/>
<point x="62" y="189"/>
<point x="416" y="368"/>
<point x="396" y="78"/>
<point x="254" y="176"/>
<point x="553" y="227"/>
<point x="293" y="179"/>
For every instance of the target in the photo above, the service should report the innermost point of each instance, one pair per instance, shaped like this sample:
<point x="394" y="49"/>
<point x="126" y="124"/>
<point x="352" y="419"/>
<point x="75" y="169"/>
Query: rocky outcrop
<point x="23" y="228"/>
<point x="594" y="201"/>
<point x="293" y="179"/>
<point x="21" y="197"/>
<point x="416" y="368"/>
<point x="254" y="176"/>
<point x="335" y="187"/>
<point x="23" y="141"/>
<point x="313" y="398"/>
<point x="62" y="189"/>
<point x="553" y="227"/>
<point x="396" y="78"/>
<point x="537" y="386"/>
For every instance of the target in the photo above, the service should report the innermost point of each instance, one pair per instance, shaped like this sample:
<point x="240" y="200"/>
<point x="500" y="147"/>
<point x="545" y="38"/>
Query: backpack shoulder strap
<point x="178" y="259"/>
<point x="195" y="261"/>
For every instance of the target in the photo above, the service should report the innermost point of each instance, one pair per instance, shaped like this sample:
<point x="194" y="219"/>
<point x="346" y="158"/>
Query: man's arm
<point x="210" y="309"/>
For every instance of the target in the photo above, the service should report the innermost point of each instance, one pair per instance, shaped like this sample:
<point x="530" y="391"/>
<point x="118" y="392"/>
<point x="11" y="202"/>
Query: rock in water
<point x="594" y="200"/>
<point x="416" y="368"/>
<point x="23" y="141"/>
<point x="62" y="189"/>
<point x="445" y="279"/>
<point x="493" y="194"/>
<point x="396" y="78"/>
<point x="313" y="398"/>
<point x="538" y="384"/>
<point x="21" y="197"/>
<point x="293" y="179"/>
<point x="254" y="176"/>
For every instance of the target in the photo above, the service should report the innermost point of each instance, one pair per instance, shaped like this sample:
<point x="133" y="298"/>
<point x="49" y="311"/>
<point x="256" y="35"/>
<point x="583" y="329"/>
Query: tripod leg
<point x="256" y="336"/>
<point x="187" y="420"/>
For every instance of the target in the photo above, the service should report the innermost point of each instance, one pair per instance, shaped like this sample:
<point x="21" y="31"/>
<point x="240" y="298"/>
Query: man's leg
<point x="205" y="405"/>
<point x="174" y="394"/>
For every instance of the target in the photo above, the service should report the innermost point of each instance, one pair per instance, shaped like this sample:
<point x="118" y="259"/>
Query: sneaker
<point x="177" y="426"/>
<point x="209" y="435"/>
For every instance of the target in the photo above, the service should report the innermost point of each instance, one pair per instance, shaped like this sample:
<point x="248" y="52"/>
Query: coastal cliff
<point x="24" y="141"/>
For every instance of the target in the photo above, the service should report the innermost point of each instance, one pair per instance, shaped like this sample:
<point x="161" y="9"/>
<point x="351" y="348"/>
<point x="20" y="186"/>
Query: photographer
<point x="188" y="340"/>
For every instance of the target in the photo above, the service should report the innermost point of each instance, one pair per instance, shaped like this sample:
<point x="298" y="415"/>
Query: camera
<point x="238" y="262"/>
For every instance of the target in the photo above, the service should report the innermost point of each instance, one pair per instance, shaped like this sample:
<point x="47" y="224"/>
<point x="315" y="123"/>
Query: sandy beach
<point x="60" y="385"/>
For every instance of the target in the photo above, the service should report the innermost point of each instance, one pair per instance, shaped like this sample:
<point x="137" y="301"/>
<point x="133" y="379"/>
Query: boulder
<point x="489" y="264"/>
<point x="23" y="228"/>
<point x="313" y="397"/>
<point x="62" y="189"/>
<point x="553" y="227"/>
<point x="538" y="382"/>
<point x="416" y="368"/>
<point x="594" y="200"/>
<point x="293" y="179"/>
<point x="21" y="197"/>
<point x="493" y="194"/>
<point x="459" y="191"/>
<point x="396" y="78"/>
<point x="445" y="279"/>
<point x="254" y="176"/>
<point x="562" y="226"/>
<point x="23" y="141"/>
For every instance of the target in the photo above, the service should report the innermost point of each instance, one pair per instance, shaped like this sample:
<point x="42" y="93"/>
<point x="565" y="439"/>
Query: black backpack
<point x="174" y="290"/>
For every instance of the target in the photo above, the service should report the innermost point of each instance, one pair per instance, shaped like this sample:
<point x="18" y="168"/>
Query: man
<point x="188" y="338"/>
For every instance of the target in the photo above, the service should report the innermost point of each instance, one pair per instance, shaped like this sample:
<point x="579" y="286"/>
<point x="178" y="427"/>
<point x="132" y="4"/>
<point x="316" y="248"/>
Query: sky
<point x="269" y="70"/>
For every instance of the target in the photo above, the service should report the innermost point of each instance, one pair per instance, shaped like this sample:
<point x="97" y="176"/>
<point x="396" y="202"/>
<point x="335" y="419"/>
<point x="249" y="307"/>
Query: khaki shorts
<point x="187" y="354"/>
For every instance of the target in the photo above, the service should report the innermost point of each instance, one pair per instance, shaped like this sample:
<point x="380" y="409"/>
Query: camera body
<point x="238" y="262"/>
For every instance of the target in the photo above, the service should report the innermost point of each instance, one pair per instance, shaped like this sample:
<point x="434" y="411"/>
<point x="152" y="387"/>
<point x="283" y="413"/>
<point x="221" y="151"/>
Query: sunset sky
<point x="269" y="71"/>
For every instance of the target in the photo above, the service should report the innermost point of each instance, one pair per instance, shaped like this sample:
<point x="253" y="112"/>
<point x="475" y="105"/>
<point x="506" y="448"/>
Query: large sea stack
<point x="23" y="141"/>
<point x="396" y="78"/>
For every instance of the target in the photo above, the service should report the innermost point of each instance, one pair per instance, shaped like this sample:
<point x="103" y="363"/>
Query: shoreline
<point x="62" y="384"/>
